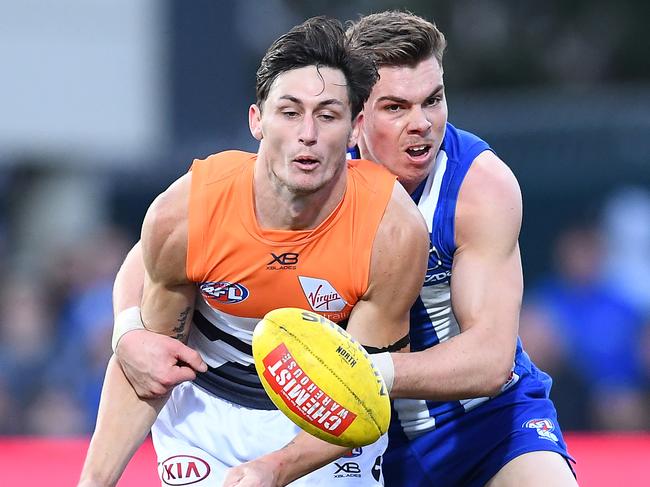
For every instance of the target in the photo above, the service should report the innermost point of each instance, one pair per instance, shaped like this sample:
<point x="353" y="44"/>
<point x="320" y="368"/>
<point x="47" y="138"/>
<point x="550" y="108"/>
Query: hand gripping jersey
<point x="243" y="271"/>
<point x="432" y="319"/>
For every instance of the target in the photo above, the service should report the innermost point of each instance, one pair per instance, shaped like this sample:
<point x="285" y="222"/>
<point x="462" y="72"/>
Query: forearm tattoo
<point x="179" y="330"/>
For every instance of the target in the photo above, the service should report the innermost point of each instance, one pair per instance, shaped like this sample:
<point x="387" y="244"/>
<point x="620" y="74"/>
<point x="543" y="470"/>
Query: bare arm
<point x="127" y="288"/>
<point x="486" y="290"/>
<point x="167" y="303"/>
<point x="153" y="363"/>
<point x="379" y="319"/>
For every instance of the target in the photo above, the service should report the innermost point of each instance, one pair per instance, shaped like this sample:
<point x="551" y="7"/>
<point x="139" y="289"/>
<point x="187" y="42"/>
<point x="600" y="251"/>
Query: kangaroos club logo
<point x="223" y="292"/>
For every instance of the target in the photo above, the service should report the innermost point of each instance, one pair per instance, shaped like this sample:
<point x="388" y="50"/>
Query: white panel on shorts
<point x="196" y="424"/>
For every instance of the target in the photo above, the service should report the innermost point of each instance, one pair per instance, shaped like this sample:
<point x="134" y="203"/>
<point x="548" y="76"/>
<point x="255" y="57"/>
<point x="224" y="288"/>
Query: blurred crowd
<point x="55" y="335"/>
<point x="586" y="321"/>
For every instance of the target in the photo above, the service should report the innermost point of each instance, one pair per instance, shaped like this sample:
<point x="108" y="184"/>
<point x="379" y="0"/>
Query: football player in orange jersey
<point x="352" y="232"/>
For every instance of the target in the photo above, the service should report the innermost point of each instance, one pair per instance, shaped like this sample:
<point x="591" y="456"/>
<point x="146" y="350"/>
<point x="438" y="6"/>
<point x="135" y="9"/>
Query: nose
<point x="308" y="133"/>
<point x="418" y="122"/>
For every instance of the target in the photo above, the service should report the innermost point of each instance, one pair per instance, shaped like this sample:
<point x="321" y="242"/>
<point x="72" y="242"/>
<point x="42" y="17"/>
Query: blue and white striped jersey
<point x="432" y="318"/>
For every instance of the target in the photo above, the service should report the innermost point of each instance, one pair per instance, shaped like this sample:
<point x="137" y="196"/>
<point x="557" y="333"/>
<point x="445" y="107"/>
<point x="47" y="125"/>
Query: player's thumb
<point x="191" y="357"/>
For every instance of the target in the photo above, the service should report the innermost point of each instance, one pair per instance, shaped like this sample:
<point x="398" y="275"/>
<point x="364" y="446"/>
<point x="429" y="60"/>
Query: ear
<point x="356" y="129"/>
<point x="255" y="121"/>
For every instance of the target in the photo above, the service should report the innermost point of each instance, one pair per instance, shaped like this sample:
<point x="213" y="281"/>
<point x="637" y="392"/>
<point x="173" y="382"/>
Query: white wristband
<point x="126" y="321"/>
<point x="384" y="363"/>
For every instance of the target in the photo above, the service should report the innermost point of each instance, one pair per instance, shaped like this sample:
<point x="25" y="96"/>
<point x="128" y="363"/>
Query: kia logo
<point x="183" y="470"/>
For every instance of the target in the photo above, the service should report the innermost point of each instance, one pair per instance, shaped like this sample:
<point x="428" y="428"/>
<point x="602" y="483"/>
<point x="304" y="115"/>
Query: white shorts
<point x="198" y="436"/>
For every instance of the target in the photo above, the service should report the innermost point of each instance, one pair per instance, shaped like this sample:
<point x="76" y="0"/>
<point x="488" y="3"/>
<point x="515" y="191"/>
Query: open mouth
<point x="418" y="150"/>
<point x="306" y="160"/>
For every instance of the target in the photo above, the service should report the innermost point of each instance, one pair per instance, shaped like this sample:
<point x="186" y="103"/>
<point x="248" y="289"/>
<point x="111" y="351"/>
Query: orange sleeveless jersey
<point x="245" y="271"/>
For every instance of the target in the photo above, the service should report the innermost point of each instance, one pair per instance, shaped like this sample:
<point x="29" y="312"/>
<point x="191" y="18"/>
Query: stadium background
<point x="103" y="103"/>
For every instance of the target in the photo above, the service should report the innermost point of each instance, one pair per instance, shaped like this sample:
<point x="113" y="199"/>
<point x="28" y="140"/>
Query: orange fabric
<point x="246" y="271"/>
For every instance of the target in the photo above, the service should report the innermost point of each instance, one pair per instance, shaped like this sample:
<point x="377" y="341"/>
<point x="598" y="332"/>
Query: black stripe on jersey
<point x="213" y="334"/>
<point x="398" y="345"/>
<point x="236" y="383"/>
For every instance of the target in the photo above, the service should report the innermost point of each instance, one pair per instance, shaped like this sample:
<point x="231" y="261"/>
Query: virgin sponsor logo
<point x="223" y="292"/>
<point x="302" y="395"/>
<point x="183" y="470"/>
<point x="544" y="427"/>
<point x="321" y="295"/>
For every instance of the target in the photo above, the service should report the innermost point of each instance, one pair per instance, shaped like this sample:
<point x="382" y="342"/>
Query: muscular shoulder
<point x="164" y="233"/>
<point x="489" y="201"/>
<point x="402" y="237"/>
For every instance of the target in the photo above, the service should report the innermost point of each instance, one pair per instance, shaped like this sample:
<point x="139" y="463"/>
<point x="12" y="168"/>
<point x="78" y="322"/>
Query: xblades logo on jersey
<point x="285" y="261"/>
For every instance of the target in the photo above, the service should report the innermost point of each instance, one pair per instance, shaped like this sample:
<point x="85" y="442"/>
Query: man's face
<point x="305" y="128"/>
<point x="404" y="121"/>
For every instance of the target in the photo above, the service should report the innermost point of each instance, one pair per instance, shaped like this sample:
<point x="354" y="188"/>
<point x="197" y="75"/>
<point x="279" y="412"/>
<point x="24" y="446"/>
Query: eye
<point x="394" y="108"/>
<point x="433" y="100"/>
<point x="326" y="117"/>
<point x="290" y="114"/>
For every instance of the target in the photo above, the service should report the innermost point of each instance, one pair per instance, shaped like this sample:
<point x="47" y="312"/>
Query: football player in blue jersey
<point x="471" y="408"/>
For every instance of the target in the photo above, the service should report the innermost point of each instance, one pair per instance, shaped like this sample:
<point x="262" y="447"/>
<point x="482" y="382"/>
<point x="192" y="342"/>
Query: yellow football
<point x="320" y="377"/>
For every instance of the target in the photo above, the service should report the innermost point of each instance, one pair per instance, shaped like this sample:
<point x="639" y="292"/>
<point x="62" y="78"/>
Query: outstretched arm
<point x="379" y="319"/>
<point x="486" y="292"/>
<point x="167" y="304"/>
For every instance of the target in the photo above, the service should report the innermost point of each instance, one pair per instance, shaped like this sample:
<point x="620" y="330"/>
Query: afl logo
<point x="354" y="453"/>
<point x="223" y="292"/>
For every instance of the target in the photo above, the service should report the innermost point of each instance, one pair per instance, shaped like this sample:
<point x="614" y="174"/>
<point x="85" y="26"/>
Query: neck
<point x="279" y="208"/>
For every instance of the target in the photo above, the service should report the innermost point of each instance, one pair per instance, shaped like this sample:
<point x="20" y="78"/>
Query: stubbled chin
<point x="414" y="176"/>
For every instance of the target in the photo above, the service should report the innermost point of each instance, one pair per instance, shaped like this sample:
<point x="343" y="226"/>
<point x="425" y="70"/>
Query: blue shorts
<point x="470" y="449"/>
